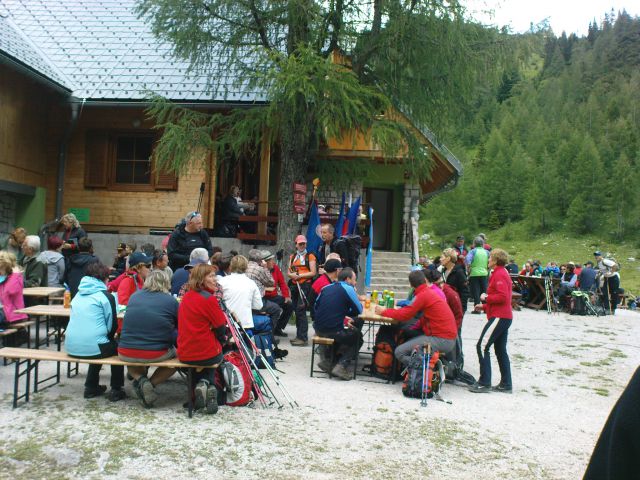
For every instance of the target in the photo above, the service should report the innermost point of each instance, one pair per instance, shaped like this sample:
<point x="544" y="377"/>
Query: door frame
<point x="366" y="192"/>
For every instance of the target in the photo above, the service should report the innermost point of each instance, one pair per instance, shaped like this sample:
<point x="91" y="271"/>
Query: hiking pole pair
<point x="426" y="360"/>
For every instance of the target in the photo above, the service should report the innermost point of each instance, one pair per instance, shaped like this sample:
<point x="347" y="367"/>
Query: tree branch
<point x="264" y="38"/>
<point x="372" y="43"/>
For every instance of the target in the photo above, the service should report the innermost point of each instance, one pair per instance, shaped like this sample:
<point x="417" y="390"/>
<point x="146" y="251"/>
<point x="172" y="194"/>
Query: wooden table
<point x="535" y="286"/>
<point x="369" y="315"/>
<point x="372" y="319"/>
<point x="42" y="291"/>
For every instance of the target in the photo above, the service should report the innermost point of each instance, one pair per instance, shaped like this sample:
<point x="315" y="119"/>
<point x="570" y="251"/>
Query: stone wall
<point x="327" y="194"/>
<point x="412" y="194"/>
<point x="7" y="214"/>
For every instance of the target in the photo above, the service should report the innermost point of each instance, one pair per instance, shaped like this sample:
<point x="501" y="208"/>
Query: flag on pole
<point x="340" y="221"/>
<point x="314" y="240"/>
<point x="352" y="218"/>
<point x="367" y="270"/>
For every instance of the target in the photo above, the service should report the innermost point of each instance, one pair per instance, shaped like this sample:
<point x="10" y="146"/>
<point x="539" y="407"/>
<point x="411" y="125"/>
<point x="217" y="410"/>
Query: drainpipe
<point x="62" y="156"/>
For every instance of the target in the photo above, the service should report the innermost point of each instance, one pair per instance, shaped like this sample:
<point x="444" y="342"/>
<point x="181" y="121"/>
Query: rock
<point x="63" y="456"/>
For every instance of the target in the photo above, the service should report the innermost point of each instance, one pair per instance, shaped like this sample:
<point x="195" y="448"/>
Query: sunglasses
<point x="192" y="215"/>
<point x="302" y="243"/>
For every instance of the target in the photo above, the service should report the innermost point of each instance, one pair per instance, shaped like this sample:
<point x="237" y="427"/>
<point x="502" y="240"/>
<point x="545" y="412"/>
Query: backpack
<point x="235" y="379"/>
<point x="385" y="344"/>
<point x="350" y="246"/>
<point x="412" y="383"/>
<point x="578" y="305"/>
<point x="454" y="367"/>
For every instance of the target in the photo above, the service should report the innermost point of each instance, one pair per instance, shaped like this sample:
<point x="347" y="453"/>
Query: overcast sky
<point x="572" y="16"/>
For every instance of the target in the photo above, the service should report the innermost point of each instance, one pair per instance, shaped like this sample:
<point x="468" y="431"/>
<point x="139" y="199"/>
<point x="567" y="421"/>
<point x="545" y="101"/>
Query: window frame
<point x="112" y="162"/>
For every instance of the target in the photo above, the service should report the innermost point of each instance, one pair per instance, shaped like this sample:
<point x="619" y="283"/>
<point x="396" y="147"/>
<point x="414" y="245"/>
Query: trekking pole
<point x="303" y="297"/>
<point x="426" y="359"/>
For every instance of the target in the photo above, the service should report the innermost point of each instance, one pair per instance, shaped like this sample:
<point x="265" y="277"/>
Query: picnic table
<point x="374" y="321"/>
<point x="536" y="288"/>
<point x="42" y="291"/>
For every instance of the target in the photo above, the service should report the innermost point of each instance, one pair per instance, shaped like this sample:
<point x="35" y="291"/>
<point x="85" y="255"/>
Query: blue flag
<point x="314" y="240"/>
<point x="340" y="221"/>
<point x="352" y="218"/>
<point x="367" y="270"/>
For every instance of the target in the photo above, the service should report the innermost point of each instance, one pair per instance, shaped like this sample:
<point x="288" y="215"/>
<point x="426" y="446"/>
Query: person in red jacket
<point x="499" y="314"/>
<point x="280" y="294"/>
<point x="437" y="321"/>
<point x="201" y="330"/>
<point x="133" y="279"/>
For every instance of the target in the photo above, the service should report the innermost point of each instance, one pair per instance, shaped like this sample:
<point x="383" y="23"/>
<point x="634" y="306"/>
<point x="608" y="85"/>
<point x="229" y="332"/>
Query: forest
<point x="554" y="143"/>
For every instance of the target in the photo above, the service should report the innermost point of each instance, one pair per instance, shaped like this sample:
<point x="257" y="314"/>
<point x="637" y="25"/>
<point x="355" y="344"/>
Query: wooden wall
<point x="131" y="212"/>
<point x="24" y="111"/>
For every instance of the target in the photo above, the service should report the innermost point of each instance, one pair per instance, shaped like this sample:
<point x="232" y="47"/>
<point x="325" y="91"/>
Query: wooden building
<point x="74" y="136"/>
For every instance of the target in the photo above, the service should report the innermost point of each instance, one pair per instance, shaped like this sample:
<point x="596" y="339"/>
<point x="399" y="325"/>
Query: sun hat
<point x="301" y="239"/>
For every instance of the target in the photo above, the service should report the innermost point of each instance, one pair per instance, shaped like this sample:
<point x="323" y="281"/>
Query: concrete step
<point x="391" y="262"/>
<point x="377" y="254"/>
<point x="390" y="286"/>
<point x="390" y="269"/>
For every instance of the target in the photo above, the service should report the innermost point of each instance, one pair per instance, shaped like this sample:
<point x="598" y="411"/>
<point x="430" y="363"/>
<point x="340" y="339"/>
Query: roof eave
<point x="33" y="73"/>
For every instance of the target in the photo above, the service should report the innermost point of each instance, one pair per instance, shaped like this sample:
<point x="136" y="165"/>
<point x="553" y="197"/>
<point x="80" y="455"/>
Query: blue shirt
<point x="335" y="302"/>
<point x="180" y="277"/>
<point x="150" y="321"/>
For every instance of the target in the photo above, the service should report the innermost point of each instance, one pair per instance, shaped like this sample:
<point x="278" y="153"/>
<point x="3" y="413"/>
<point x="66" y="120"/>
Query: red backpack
<point x="236" y="380"/>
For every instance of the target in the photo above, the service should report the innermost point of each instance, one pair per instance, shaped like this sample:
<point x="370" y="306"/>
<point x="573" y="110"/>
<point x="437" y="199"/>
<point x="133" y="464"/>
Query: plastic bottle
<point x="374" y="297"/>
<point x="390" y="300"/>
<point x="66" y="299"/>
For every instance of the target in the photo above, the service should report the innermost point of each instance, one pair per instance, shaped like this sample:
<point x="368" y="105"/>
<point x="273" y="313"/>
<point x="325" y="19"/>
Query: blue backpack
<point x="263" y="338"/>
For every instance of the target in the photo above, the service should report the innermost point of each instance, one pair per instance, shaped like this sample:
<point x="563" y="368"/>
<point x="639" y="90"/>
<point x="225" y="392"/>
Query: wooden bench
<point x="315" y="342"/>
<point x="32" y="358"/>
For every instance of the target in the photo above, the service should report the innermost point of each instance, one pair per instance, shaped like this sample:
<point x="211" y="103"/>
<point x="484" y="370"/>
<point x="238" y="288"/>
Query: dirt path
<point x="568" y="372"/>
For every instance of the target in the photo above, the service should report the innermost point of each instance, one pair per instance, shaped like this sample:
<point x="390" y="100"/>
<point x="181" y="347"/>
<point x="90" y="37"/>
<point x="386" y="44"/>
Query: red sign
<point x="300" y="188"/>
<point x="299" y="198"/>
<point x="300" y="208"/>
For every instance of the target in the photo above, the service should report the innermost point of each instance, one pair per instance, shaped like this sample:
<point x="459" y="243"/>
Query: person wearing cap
<point x="134" y="277"/>
<point x="331" y="270"/>
<point x="302" y="270"/>
<point x="460" y="249"/>
<point x="120" y="262"/>
<point x="280" y="295"/>
<point x="258" y="272"/>
<point x="181" y="276"/>
<point x="187" y="236"/>
<point x="608" y="280"/>
<point x="587" y="277"/>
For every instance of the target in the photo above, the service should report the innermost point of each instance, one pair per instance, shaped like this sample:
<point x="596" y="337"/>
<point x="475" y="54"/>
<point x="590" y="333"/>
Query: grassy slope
<point x="560" y="247"/>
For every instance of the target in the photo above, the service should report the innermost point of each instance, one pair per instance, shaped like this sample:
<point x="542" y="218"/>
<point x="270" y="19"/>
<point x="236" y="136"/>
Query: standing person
<point x="455" y="275"/>
<point x="11" y="286"/>
<point x="614" y="287"/>
<point x="476" y="261"/>
<point x="91" y="331"/>
<point x="139" y="268"/>
<point x="330" y="244"/>
<point x="240" y="293"/>
<point x="35" y="272"/>
<point x="54" y="262"/>
<point x="587" y="278"/>
<point x="460" y="249"/>
<point x="262" y="277"/>
<point x="187" y="236"/>
<point x="280" y="295"/>
<point x="72" y="232"/>
<point x="201" y="334"/>
<point x="338" y="306"/>
<point x="149" y="332"/>
<point x="77" y="264"/>
<point x="499" y="317"/>
<point x="14" y="242"/>
<point x="302" y="270"/>
<point x="436" y="321"/>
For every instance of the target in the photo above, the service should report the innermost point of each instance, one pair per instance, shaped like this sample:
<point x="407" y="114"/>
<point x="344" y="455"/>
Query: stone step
<point x="390" y="269"/>
<point x="396" y="279"/>
<point x="390" y="286"/>
<point x="377" y="262"/>
<point x="377" y="254"/>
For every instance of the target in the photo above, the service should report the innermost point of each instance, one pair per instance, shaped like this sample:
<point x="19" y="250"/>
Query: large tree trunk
<point x="294" y="164"/>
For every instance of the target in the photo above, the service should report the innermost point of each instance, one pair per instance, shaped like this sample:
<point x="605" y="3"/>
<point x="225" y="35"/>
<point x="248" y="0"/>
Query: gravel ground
<point x="568" y="372"/>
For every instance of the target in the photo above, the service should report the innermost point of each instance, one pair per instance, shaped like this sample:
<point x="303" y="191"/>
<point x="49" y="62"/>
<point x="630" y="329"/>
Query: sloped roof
<point x="101" y="50"/>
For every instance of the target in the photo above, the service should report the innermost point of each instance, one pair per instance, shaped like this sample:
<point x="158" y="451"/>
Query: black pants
<point x="610" y="293"/>
<point x="93" y="374"/>
<point x="347" y="343"/>
<point x="208" y="374"/>
<point x="300" y="306"/>
<point x="478" y="286"/>
<point x="287" y="310"/>
<point x="496" y="333"/>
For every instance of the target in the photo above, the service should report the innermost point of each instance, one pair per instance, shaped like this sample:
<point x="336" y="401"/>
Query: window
<point x="123" y="161"/>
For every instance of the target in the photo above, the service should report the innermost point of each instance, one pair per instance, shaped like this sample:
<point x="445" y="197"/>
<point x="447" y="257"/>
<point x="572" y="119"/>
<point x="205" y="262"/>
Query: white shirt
<point x="241" y="294"/>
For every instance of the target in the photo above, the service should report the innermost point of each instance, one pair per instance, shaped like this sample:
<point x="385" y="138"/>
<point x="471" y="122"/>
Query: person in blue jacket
<point x="336" y="312"/>
<point x="92" y="327"/>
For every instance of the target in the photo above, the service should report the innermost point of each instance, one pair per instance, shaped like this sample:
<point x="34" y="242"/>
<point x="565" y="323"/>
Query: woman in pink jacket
<point x="11" y="284"/>
<point x="499" y="316"/>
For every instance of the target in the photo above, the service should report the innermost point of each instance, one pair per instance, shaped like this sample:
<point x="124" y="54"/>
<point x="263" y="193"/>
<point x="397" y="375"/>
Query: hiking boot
<point x="200" y="394"/>
<point x="279" y="353"/>
<point x="280" y="333"/>
<point x="94" y="392"/>
<point x="502" y="388"/>
<point x="298" y="342"/>
<point x="478" y="388"/>
<point x="211" y="403"/>
<point x="325" y="365"/>
<point x="148" y="391"/>
<point x="341" y="372"/>
<point x="116" y="394"/>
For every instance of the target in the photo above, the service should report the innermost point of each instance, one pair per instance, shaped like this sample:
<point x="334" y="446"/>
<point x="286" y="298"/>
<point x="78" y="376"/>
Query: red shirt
<point x="280" y="283"/>
<point x="321" y="282"/>
<point x="437" y="319"/>
<point x="127" y="287"/>
<point x="197" y="316"/>
<point x="499" y="294"/>
<point x="453" y="300"/>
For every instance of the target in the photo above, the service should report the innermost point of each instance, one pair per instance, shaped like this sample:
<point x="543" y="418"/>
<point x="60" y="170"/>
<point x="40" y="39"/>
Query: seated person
<point x="91" y="331"/>
<point x="512" y="267"/>
<point x="537" y="269"/>
<point x="258" y="272"/>
<point x="11" y="286"/>
<point x="587" y="277"/>
<point x="120" y="262"/>
<point x="231" y="212"/>
<point x="181" y="276"/>
<point x="78" y="263"/>
<point x="149" y="334"/>
<point x="332" y="268"/>
<point x="241" y="294"/>
<point x="54" y="261"/>
<point x="527" y="271"/>
<point x="201" y="333"/>
<point x="35" y="272"/>
<point x="552" y="270"/>
<point x="567" y="284"/>
<point x="436" y="321"/>
<point x="335" y="308"/>
<point x="160" y="261"/>
<point x="280" y="295"/>
<point x="139" y="268"/>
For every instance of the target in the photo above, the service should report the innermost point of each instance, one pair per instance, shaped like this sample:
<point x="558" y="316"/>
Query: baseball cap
<point x="139" y="257"/>
<point x="122" y="246"/>
<point x="194" y="262"/>
<point x="460" y="237"/>
<point x="332" y="265"/>
<point x="301" y="239"/>
<point x="267" y="255"/>
<point x="597" y="253"/>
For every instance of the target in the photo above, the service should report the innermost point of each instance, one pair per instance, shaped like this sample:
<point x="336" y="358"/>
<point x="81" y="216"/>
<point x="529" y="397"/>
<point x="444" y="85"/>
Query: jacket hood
<point x="81" y="259"/>
<point x="90" y="285"/>
<point x="49" y="257"/>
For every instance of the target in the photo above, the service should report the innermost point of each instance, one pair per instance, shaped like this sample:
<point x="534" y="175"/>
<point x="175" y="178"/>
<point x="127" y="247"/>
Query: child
<point x="499" y="314"/>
